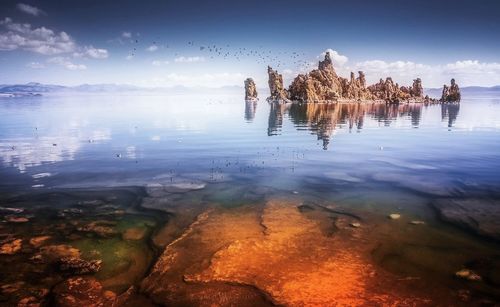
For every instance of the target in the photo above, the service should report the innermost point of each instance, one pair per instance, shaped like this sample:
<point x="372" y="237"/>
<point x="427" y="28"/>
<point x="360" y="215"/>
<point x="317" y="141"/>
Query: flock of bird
<point x="260" y="55"/>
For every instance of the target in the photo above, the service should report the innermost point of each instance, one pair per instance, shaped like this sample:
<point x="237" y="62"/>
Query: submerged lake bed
<point x="211" y="200"/>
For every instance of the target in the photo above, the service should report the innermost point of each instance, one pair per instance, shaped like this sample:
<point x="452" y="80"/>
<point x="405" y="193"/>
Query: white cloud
<point x="28" y="9"/>
<point x="126" y="34"/>
<point x="159" y="63"/>
<point x="400" y="71"/>
<point x="152" y="48"/>
<point x="66" y="63"/>
<point x="193" y="59"/>
<point x="91" y="52"/>
<point x="35" y="65"/>
<point x="466" y="72"/>
<point x="129" y="57"/>
<point x="39" y="40"/>
<point x="43" y="41"/>
<point x="472" y="66"/>
<point x="337" y="58"/>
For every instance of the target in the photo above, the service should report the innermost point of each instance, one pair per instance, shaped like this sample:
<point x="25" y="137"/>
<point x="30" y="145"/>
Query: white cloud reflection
<point x="25" y="152"/>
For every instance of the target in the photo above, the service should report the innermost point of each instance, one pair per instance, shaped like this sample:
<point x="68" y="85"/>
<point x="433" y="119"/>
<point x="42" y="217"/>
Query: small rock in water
<point x="355" y="225"/>
<point x="417" y="222"/>
<point x="54" y="253"/>
<point x="38" y="241"/>
<point x="16" y="219"/>
<point x="100" y="228"/>
<point x="394" y="216"/>
<point x="468" y="274"/>
<point x="29" y="301"/>
<point x="85" y="291"/>
<point x="11" y="288"/>
<point x="76" y="265"/>
<point x="11" y="248"/>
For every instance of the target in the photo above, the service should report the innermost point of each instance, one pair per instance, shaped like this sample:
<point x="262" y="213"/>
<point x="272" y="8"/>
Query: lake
<point x="208" y="199"/>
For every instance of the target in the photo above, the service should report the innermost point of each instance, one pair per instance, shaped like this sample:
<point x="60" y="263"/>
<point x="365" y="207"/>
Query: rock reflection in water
<point x="250" y="109"/>
<point x="389" y="113"/>
<point x="276" y="112"/>
<point x="450" y="111"/>
<point x="324" y="119"/>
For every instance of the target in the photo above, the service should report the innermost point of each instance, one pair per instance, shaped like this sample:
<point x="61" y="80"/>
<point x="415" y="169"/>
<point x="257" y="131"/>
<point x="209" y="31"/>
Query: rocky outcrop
<point x="250" y="89"/>
<point x="393" y="93"/>
<point x="285" y="254"/>
<point x="324" y="85"/>
<point x="476" y="215"/>
<point x="276" y="88"/>
<point x="417" y="90"/>
<point x="451" y="93"/>
<point x="319" y="85"/>
<point x="356" y="89"/>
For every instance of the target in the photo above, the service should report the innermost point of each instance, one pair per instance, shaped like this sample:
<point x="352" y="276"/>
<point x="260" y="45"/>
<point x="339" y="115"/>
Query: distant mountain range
<point x="34" y="88"/>
<point x="39" y="88"/>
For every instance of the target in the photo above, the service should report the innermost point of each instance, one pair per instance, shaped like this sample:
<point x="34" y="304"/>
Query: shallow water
<point x="146" y="167"/>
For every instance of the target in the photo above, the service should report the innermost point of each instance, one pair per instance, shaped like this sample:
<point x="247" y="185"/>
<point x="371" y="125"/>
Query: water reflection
<point x="29" y="151"/>
<point x="250" y="109"/>
<point x="450" y="111"/>
<point x="275" y="121"/>
<point x="389" y="113"/>
<point x="324" y="119"/>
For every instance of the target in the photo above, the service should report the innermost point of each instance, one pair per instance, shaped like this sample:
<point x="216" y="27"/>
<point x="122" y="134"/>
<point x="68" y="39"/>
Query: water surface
<point x="179" y="155"/>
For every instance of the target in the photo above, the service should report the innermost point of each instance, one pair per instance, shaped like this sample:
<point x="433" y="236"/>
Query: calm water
<point x="119" y="140"/>
<point x="365" y="160"/>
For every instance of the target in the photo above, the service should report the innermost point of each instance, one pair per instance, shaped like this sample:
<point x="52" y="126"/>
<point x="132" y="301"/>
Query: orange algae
<point x="282" y="253"/>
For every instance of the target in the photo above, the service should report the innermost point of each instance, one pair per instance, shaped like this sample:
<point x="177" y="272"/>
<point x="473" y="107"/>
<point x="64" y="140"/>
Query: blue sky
<point x="216" y="43"/>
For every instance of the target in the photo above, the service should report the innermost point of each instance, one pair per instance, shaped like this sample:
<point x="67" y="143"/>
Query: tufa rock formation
<point x="321" y="84"/>
<point x="278" y="92"/>
<point x="250" y="89"/>
<point x="324" y="85"/>
<point x="452" y="93"/>
<point x="417" y="90"/>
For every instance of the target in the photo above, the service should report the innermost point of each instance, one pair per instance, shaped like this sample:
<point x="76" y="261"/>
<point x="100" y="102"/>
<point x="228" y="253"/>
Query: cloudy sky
<point x="218" y="43"/>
